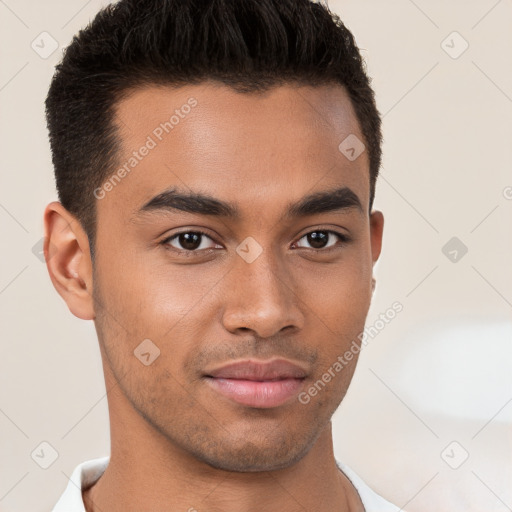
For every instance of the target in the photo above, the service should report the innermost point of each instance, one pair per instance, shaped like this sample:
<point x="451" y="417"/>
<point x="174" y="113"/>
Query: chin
<point x="264" y="455"/>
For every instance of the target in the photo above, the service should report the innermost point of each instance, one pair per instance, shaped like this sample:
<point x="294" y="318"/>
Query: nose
<point x="260" y="296"/>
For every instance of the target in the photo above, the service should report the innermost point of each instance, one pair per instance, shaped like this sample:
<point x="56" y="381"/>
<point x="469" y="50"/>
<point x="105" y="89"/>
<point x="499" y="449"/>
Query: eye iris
<point x="190" y="241"/>
<point x="317" y="239"/>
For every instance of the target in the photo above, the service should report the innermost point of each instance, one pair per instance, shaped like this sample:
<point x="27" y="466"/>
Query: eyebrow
<point x="341" y="199"/>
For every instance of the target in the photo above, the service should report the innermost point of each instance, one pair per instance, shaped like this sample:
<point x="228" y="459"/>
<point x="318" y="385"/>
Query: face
<point x="274" y="273"/>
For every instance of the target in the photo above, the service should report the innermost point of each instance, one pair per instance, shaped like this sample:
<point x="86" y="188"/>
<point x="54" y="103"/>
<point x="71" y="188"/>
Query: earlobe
<point x="68" y="260"/>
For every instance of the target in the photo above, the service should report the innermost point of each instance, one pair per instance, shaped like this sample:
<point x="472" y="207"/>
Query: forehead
<point x="253" y="148"/>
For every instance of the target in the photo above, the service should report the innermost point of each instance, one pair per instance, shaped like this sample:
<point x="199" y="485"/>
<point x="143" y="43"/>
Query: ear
<point x="68" y="260"/>
<point x="376" y="230"/>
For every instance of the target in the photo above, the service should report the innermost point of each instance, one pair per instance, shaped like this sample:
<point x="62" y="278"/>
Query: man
<point x="216" y="164"/>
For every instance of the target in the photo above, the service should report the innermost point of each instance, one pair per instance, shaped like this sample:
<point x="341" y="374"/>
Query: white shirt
<point x="88" y="472"/>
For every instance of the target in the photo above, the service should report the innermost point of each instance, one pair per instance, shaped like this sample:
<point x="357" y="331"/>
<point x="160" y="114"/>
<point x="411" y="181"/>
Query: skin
<point x="176" y="444"/>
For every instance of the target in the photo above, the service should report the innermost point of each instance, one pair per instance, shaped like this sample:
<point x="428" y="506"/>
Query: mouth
<point x="258" y="384"/>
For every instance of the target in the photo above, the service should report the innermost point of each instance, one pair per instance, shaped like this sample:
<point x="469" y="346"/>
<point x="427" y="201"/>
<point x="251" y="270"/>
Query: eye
<point x="321" y="239"/>
<point x="189" y="241"/>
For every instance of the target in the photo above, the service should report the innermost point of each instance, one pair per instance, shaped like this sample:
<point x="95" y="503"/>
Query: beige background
<point x="438" y="373"/>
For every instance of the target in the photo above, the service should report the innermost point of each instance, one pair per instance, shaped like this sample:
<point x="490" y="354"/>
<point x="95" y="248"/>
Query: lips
<point x="258" y="384"/>
<point x="278" y="369"/>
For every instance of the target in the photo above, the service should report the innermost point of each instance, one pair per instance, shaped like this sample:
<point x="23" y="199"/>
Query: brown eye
<point x="318" y="239"/>
<point x="189" y="241"/>
<point x="321" y="239"/>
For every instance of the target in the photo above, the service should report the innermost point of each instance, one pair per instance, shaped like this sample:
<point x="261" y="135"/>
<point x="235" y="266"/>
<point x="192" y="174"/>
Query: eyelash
<point x="345" y="239"/>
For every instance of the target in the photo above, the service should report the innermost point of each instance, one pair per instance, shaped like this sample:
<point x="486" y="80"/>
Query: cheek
<point x="338" y="294"/>
<point x="169" y="293"/>
<point x="143" y="288"/>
